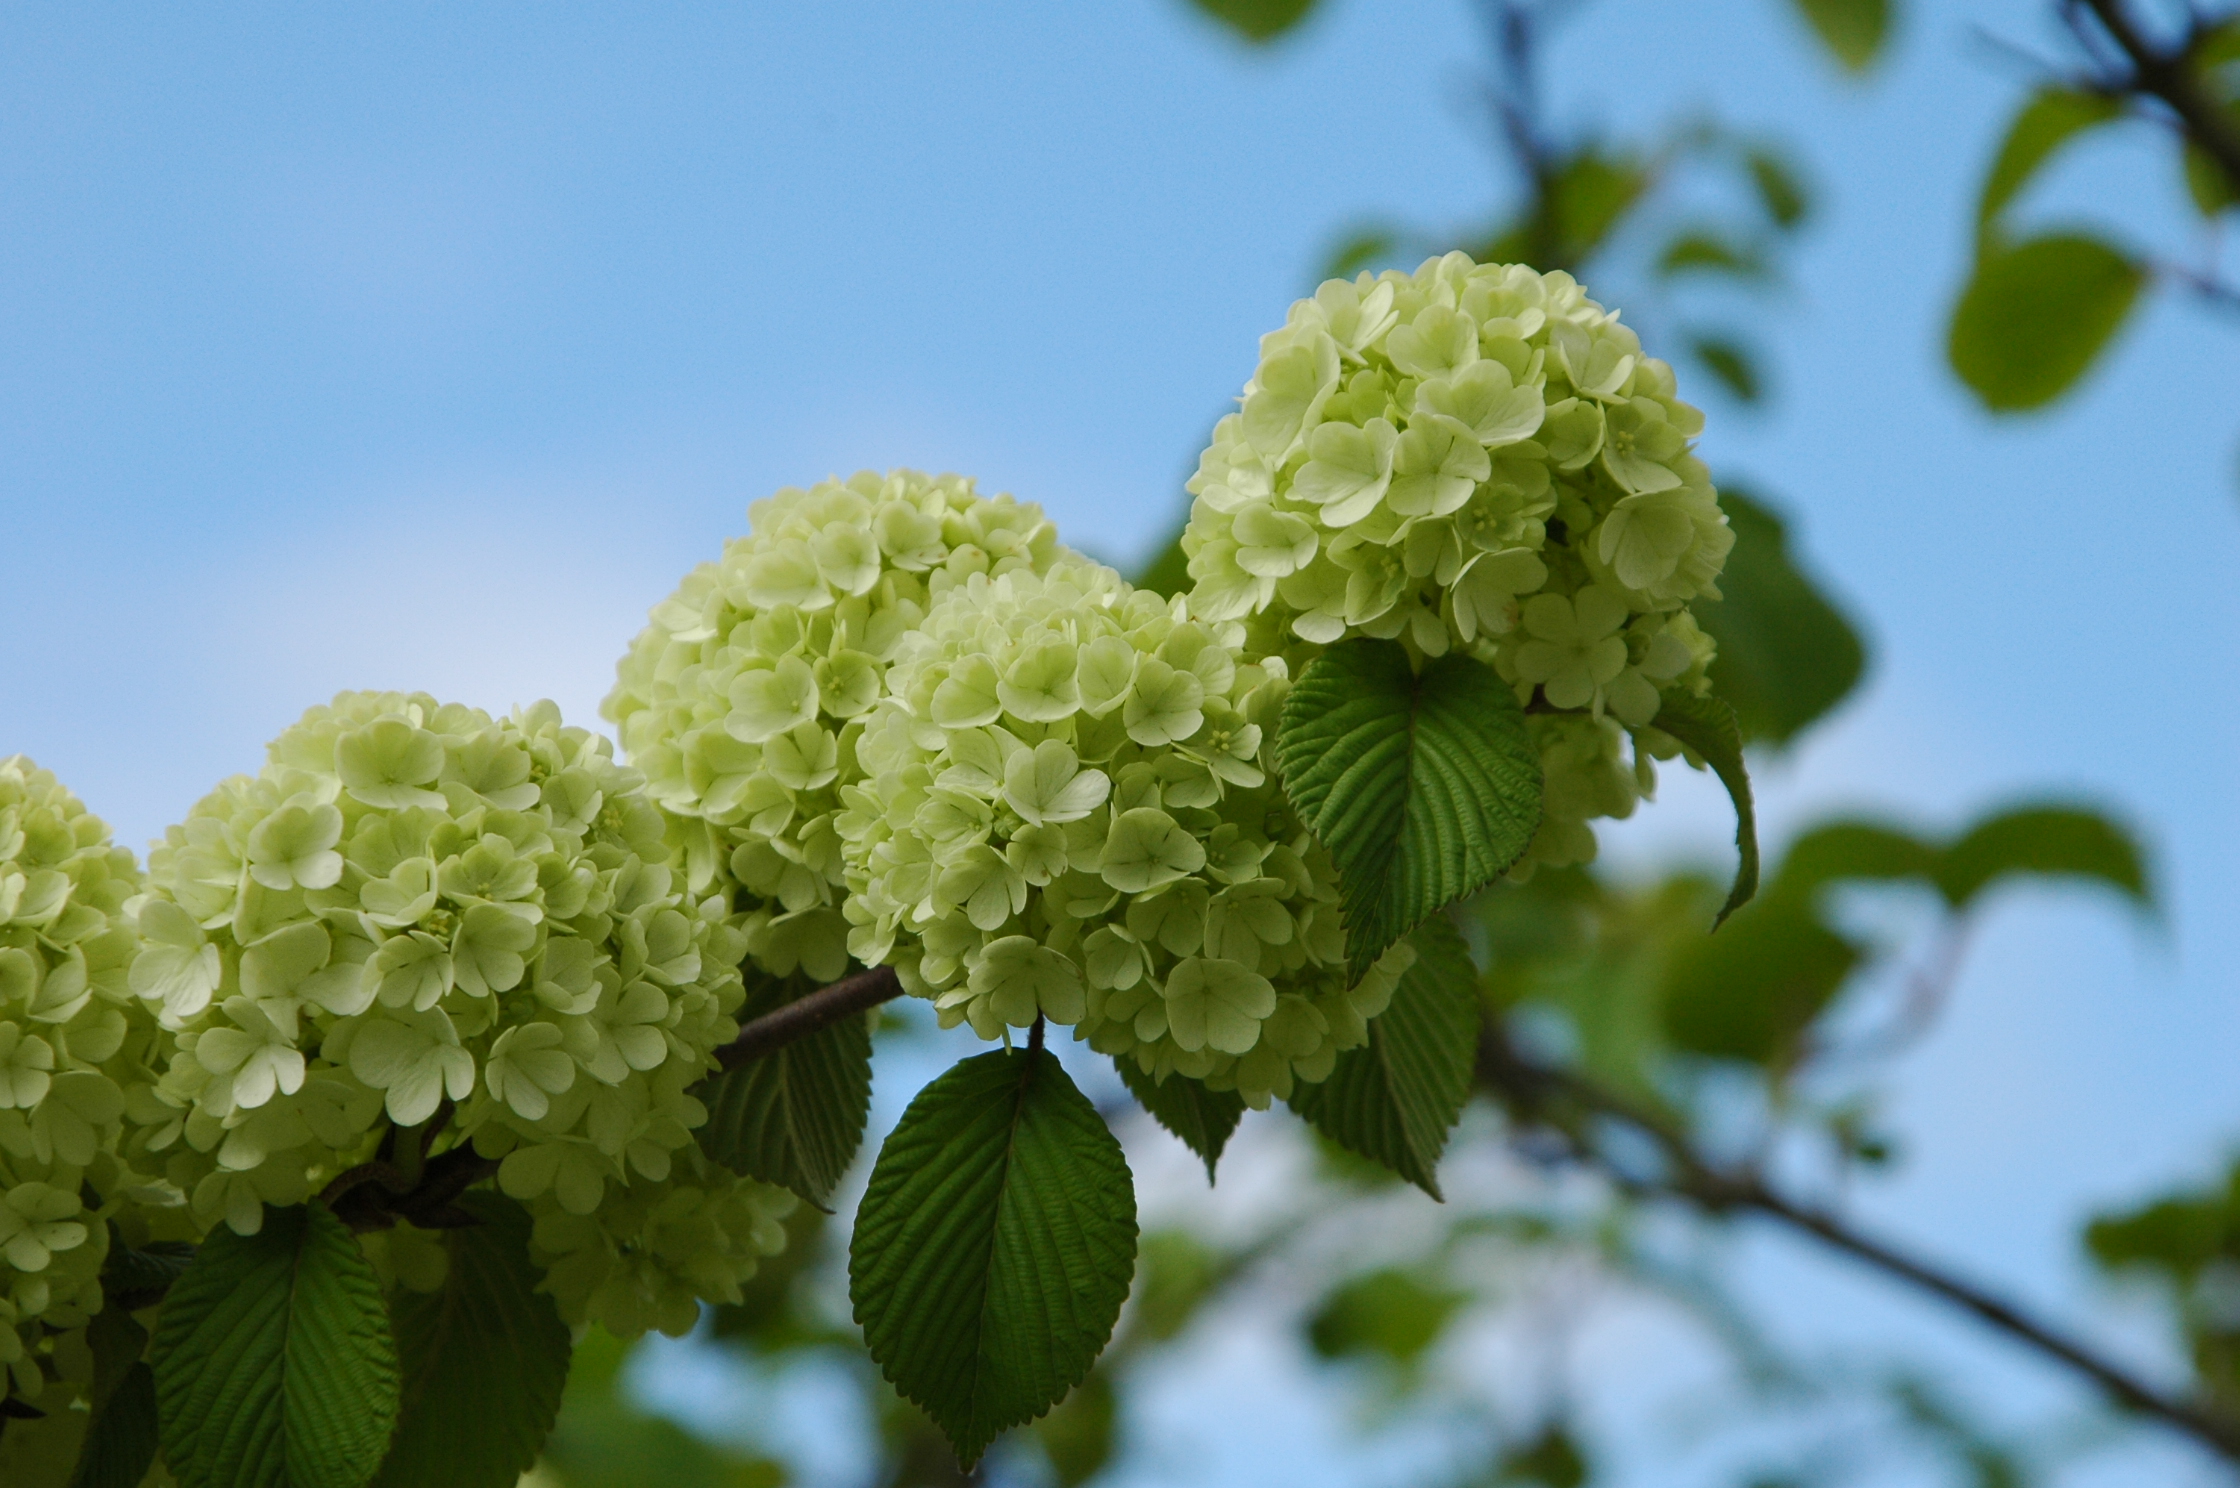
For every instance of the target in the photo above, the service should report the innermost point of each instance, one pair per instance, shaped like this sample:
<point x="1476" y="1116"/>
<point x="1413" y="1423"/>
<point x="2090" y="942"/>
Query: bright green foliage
<point x="274" y="1363"/>
<point x="1392" y="1313"/>
<point x="1395" y="1101"/>
<point x="795" y="1116"/>
<point x="2050" y="119"/>
<point x="1708" y="727"/>
<point x="484" y="1357"/>
<point x="994" y="1245"/>
<point x="1423" y="788"/>
<point x="2050" y="839"/>
<point x="2036" y="314"/>
<point x="1257" y="20"/>
<point x="1853" y="31"/>
<point x="1204" y="1119"/>
<point x="1786" y="656"/>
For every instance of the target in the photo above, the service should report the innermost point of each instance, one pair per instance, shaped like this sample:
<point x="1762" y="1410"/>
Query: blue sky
<point x="425" y="346"/>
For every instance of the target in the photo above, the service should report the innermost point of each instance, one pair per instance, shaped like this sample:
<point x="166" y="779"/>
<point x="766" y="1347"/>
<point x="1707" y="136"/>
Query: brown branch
<point x="811" y="1014"/>
<point x="2171" y="77"/>
<point x="1557" y="1099"/>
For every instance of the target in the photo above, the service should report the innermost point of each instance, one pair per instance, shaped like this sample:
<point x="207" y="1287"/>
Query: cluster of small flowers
<point x="1066" y="813"/>
<point x="1480" y="457"/>
<point x="413" y="903"/>
<point x="741" y="701"/>
<point x="71" y="1038"/>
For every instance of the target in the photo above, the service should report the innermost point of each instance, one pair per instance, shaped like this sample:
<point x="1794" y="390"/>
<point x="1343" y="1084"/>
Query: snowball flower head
<point x="1066" y="813"/>
<point x="415" y="908"/>
<point x="72" y="1039"/>
<point x="1474" y="457"/>
<point x="742" y="700"/>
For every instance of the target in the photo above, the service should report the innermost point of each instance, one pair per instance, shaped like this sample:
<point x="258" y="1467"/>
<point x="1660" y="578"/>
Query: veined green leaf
<point x="485" y="1359"/>
<point x="1423" y="788"/>
<point x="274" y="1363"/>
<point x="2035" y="315"/>
<point x="1708" y="726"/>
<point x="795" y="1116"/>
<point x="994" y="1245"/>
<point x="1203" y="1119"/>
<point x="1395" y="1100"/>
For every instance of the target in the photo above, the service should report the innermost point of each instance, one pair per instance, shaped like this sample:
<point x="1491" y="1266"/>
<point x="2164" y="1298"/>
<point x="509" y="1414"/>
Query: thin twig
<point x="2171" y="77"/>
<point x="1540" y="1095"/>
<point x="806" y="1015"/>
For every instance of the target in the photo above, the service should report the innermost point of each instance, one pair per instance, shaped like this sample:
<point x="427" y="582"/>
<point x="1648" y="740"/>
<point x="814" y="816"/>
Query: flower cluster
<point x="741" y="701"/>
<point x="1066" y="813"/>
<point x="1480" y="457"/>
<point x="72" y="1039"/>
<point x="413" y="904"/>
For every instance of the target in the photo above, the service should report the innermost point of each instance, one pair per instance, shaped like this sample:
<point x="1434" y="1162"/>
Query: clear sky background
<point x="425" y="346"/>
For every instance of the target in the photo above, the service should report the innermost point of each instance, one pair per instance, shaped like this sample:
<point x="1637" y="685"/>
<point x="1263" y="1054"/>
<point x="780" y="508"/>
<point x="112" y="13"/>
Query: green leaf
<point x="1257" y="20"/>
<point x="2035" y="315"/>
<point x="1360" y="250"/>
<point x="2051" y="118"/>
<point x="2212" y="190"/>
<point x="1703" y="250"/>
<point x="1423" y="788"/>
<point x="1395" y="1100"/>
<point x="1078" y="1436"/>
<point x="2061" y="840"/>
<point x="1202" y="1118"/>
<point x="1168" y="572"/>
<point x="1750" y="991"/>
<point x="120" y="1443"/>
<point x="1390" y="1312"/>
<point x="994" y="1245"/>
<point x="273" y="1360"/>
<point x="795" y="1116"/>
<point x="485" y="1359"/>
<point x="1587" y="196"/>
<point x="134" y="1279"/>
<point x="1726" y="360"/>
<point x="1708" y="726"/>
<point x="1786" y="655"/>
<point x="1780" y="190"/>
<point x="1553" y="1460"/>
<point x="1854" y="30"/>
<point x="1852" y="850"/>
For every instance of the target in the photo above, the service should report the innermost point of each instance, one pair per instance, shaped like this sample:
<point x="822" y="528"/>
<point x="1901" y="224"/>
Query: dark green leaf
<point x="1702" y="250"/>
<point x="1852" y="850"/>
<point x="1257" y="20"/>
<point x="1587" y="196"/>
<point x="2212" y="190"/>
<point x="994" y="1245"/>
<point x="120" y="1444"/>
<point x="485" y="1359"/>
<point x="2035" y="315"/>
<point x="2051" y="118"/>
<point x="1854" y="30"/>
<point x="1786" y="655"/>
<point x="274" y="1362"/>
<point x="2060" y="840"/>
<point x="795" y="1116"/>
<point x="1726" y="360"/>
<point x="1202" y="1118"/>
<point x="1078" y="1435"/>
<point x="1779" y="188"/>
<point x="1175" y="1275"/>
<point x="1708" y="726"/>
<point x="1395" y="1100"/>
<point x="1550" y="1460"/>
<point x="605" y="1439"/>
<point x="1751" y="990"/>
<point x="1390" y="1312"/>
<point x="1423" y="788"/>
<point x="134" y="1279"/>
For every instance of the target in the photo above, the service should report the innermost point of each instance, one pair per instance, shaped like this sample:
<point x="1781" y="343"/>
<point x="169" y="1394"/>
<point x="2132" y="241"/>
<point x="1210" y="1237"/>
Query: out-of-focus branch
<point x="1566" y="1104"/>
<point x="2171" y="76"/>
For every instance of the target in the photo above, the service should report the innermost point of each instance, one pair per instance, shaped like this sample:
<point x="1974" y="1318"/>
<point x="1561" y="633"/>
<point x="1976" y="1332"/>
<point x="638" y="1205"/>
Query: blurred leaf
<point x="1395" y="1100"/>
<point x="1704" y="250"/>
<point x="1854" y="30"/>
<point x="1393" y="1313"/>
<point x="2035" y="315"/>
<point x="2061" y="840"/>
<point x="1588" y="195"/>
<point x="134" y="1279"/>
<point x="1708" y="726"/>
<point x="1852" y="849"/>
<point x="994" y="1245"/>
<point x="603" y="1439"/>
<point x="121" y="1434"/>
<point x="1786" y="655"/>
<point x="1168" y="572"/>
<point x="2211" y="189"/>
<point x="484" y="1358"/>
<point x="794" y="1117"/>
<point x="1360" y="251"/>
<point x="2051" y="118"/>
<point x="770" y="1315"/>
<point x="1550" y="1460"/>
<point x="1780" y="189"/>
<point x="2180" y="1236"/>
<point x="1175" y="1273"/>
<point x="1750" y="991"/>
<point x="1203" y="1119"/>
<point x="1422" y="787"/>
<point x="1727" y="361"/>
<point x="1257" y="20"/>
<point x="1078" y="1434"/>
